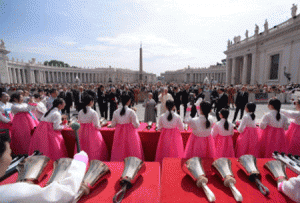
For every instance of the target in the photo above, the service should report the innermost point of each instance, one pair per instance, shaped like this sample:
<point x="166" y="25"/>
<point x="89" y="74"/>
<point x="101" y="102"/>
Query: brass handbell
<point x="60" y="168"/>
<point x="277" y="169"/>
<point x="149" y="125"/>
<point x="133" y="168"/>
<point x="97" y="172"/>
<point x="32" y="169"/>
<point x="223" y="166"/>
<point x="249" y="165"/>
<point x="193" y="167"/>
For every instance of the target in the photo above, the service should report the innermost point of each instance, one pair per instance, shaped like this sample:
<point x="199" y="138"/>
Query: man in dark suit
<point x="78" y="96"/>
<point x="102" y="102"/>
<point x="92" y="93"/>
<point x="200" y="94"/>
<point x="113" y="102"/>
<point x="67" y="96"/>
<point x="214" y="96"/>
<point x="185" y="97"/>
<point x="222" y="101"/>
<point x="177" y="99"/>
<point x="155" y="94"/>
<point x="240" y="103"/>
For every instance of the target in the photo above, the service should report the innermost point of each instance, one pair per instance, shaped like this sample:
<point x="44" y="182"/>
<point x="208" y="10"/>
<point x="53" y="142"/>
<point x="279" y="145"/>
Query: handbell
<point x="60" y="168"/>
<point x="32" y="169"/>
<point x="249" y="165"/>
<point x="149" y="125"/>
<point x="223" y="166"/>
<point x="98" y="171"/>
<point x="277" y="169"/>
<point x="193" y="167"/>
<point x="133" y="168"/>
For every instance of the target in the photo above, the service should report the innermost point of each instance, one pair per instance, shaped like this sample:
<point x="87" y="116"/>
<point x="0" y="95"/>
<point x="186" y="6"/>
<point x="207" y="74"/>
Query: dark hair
<point x="225" y="113"/>
<point x="15" y="96"/>
<point x="125" y="98"/>
<point x="36" y="96"/>
<point x="86" y="101"/>
<point x="4" y="137"/>
<point x="251" y="108"/>
<point x="206" y="108"/>
<point x="277" y="105"/>
<point x="170" y="104"/>
<point x="40" y="90"/>
<point x="52" y="90"/>
<point x="55" y="104"/>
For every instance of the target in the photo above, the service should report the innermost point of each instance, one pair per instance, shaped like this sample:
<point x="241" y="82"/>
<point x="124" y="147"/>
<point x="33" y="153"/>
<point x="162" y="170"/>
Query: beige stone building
<point x="214" y="74"/>
<point x="16" y="71"/>
<point x="270" y="56"/>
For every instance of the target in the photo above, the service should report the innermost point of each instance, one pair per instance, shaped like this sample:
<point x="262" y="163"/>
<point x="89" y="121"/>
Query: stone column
<point x="19" y="76"/>
<point x="233" y="74"/>
<point x="253" y="67"/>
<point x="228" y="70"/>
<point x="245" y="70"/>
<point x="23" y="75"/>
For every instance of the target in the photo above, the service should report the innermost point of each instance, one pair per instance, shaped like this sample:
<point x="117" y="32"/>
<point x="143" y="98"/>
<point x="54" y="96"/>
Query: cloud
<point x="70" y="43"/>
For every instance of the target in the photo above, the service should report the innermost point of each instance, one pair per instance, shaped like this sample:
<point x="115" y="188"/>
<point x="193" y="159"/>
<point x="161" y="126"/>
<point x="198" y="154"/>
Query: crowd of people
<point x="41" y="108"/>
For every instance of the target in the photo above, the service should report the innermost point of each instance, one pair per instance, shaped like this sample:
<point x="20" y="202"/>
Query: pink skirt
<point x="203" y="147"/>
<point x="293" y="139"/>
<point x="126" y="143"/>
<point x="48" y="141"/>
<point x="247" y="142"/>
<point x="6" y="125"/>
<point x="224" y="146"/>
<point x="22" y="125"/>
<point x="92" y="142"/>
<point x="272" y="139"/>
<point x="170" y="144"/>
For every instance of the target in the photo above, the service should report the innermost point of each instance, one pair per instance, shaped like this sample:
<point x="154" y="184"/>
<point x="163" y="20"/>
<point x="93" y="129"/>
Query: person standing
<point x="90" y="138"/>
<point x="170" y="142"/>
<point x="47" y="137"/>
<point x="127" y="141"/>
<point x="53" y="95"/>
<point x="214" y="96"/>
<point x="222" y="102"/>
<point x="40" y="108"/>
<point x="185" y="97"/>
<point x="177" y="99"/>
<point x="154" y="91"/>
<point x="240" y="103"/>
<point x="102" y="102"/>
<point x="273" y="127"/>
<point x="231" y="92"/>
<point x="163" y="97"/>
<point x="150" y="109"/>
<point x="22" y="124"/>
<point x="113" y="102"/>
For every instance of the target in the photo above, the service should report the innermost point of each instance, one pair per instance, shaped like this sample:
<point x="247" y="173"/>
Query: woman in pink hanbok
<point x="90" y="138"/>
<point x="170" y="142"/>
<point x="222" y="133"/>
<point x="200" y="142"/>
<point x="23" y="123"/>
<point x="248" y="140"/>
<point x="126" y="142"/>
<point x="47" y="137"/>
<point x="293" y="133"/>
<point x="273" y="127"/>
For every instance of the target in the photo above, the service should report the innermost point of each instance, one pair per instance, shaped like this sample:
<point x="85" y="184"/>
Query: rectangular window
<point x="274" y="67"/>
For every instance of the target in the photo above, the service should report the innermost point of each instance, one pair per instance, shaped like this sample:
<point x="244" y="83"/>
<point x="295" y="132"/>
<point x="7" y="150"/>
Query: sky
<point x="174" y="33"/>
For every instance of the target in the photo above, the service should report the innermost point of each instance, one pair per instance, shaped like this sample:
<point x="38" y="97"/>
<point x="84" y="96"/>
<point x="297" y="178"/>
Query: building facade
<point x="212" y="74"/>
<point x="268" y="57"/>
<point x="15" y="71"/>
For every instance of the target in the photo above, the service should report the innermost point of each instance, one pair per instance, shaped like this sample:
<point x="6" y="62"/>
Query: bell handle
<point x="120" y="195"/>
<point x="237" y="195"/>
<point x="209" y="194"/>
<point x="263" y="189"/>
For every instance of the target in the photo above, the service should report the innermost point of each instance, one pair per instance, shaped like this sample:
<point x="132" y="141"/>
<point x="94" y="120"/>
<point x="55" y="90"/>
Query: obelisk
<point x="141" y="65"/>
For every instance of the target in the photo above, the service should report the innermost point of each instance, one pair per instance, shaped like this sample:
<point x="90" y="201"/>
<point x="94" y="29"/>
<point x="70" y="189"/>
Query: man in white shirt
<point x="163" y="97"/>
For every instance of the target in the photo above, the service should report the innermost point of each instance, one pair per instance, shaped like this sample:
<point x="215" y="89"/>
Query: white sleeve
<point x="114" y="120"/>
<point x="57" y="122"/>
<point x="160" y="122"/>
<point x="179" y="124"/>
<point x="243" y="125"/>
<point x="264" y="122"/>
<point x="22" y="108"/>
<point x="3" y="118"/>
<point x="134" y="119"/>
<point x="63" y="191"/>
<point x="291" y="114"/>
<point x="188" y="117"/>
<point x="96" y="120"/>
<point x="286" y="123"/>
<point x="159" y="97"/>
<point x="291" y="188"/>
<point x="215" y="130"/>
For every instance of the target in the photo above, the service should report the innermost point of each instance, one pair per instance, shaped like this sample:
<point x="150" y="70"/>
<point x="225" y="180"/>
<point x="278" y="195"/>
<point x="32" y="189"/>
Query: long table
<point x="146" y="188"/>
<point x="149" y="139"/>
<point x="179" y="187"/>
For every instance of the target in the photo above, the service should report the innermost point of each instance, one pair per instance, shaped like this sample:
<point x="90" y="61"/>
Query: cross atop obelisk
<point x="141" y="65"/>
